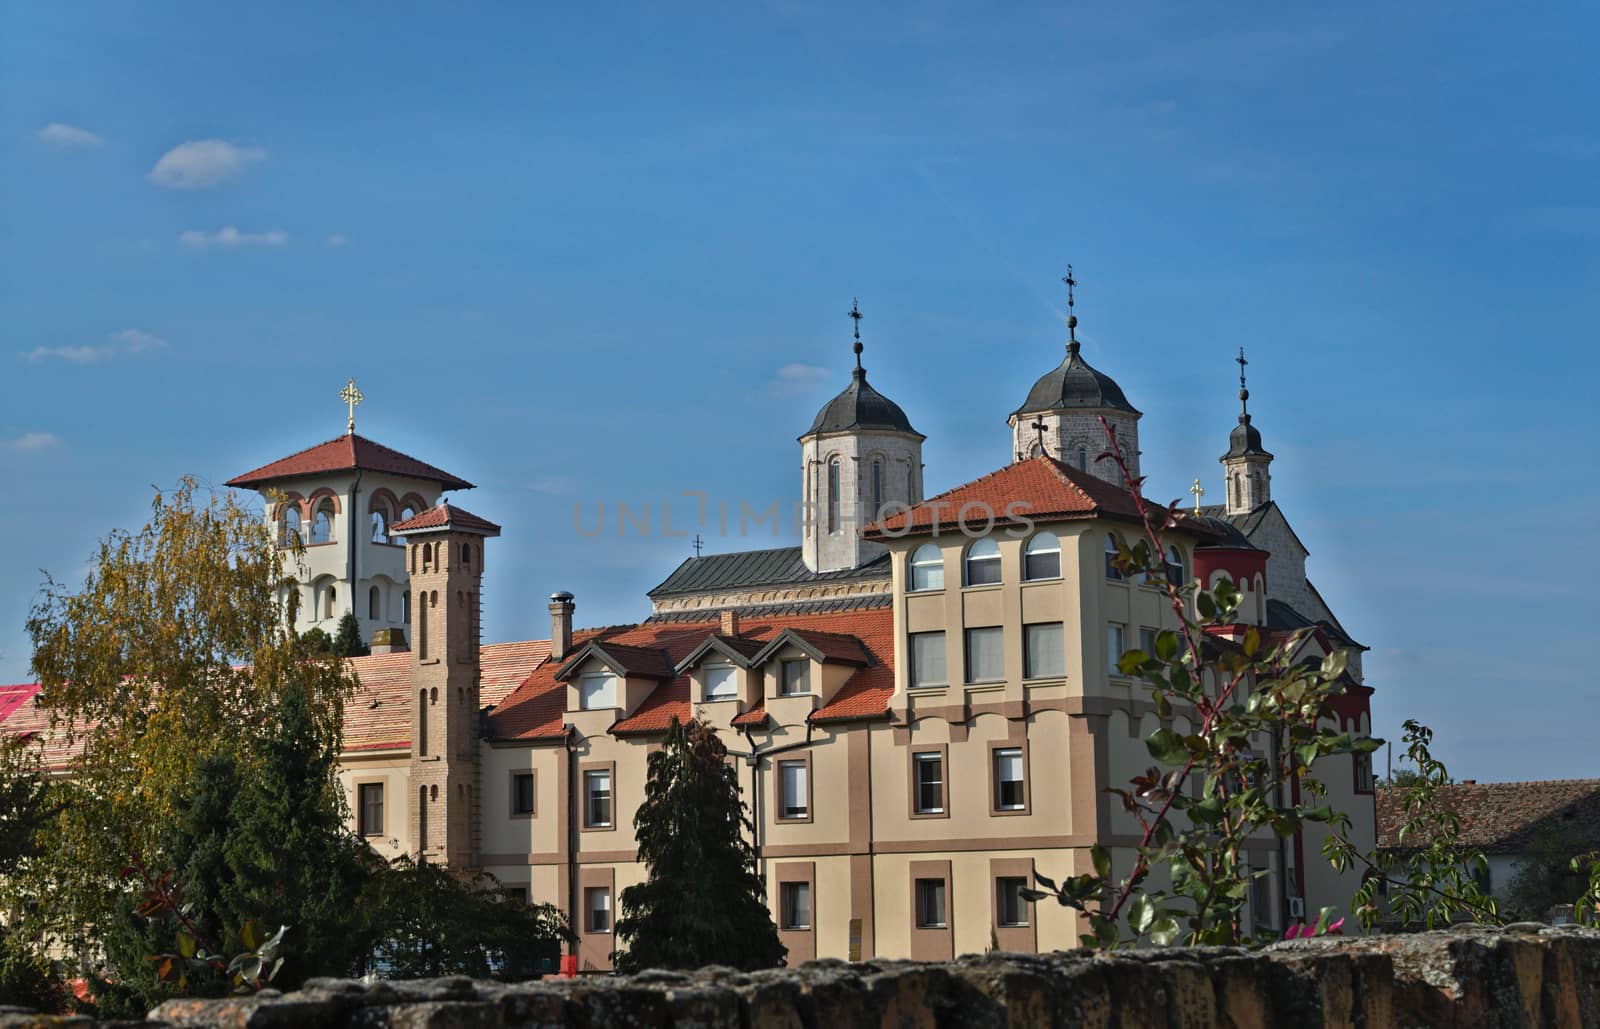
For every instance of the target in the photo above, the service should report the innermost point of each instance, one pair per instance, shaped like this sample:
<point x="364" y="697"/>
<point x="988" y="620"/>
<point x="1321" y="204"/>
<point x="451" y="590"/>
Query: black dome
<point x="1245" y="440"/>
<point x="860" y="407"/>
<point x="1072" y="383"/>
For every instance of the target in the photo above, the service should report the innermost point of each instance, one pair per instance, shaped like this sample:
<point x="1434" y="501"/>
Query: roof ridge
<point x="1061" y="470"/>
<point x="1522" y="782"/>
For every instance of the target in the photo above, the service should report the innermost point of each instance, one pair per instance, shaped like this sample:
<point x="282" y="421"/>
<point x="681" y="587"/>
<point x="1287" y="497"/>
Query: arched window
<point x="380" y="526"/>
<point x="1175" y="570"/>
<point x="322" y="522"/>
<point x="374" y="604"/>
<point x="1237" y="499"/>
<point x="833" y="495"/>
<point x="289" y="534"/>
<point x="877" y="489"/>
<point x="333" y="596"/>
<point x="927" y="568"/>
<point x="1041" y="558"/>
<point x="983" y="562"/>
<point x="405" y="607"/>
<point x="1083" y="459"/>
<point x="427" y="557"/>
<point x="407" y="513"/>
<point x="1111" y="557"/>
<point x="422" y="626"/>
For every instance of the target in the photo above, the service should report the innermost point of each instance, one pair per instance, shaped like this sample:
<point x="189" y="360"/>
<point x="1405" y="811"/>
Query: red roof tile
<point x="755" y="716"/>
<point x="13" y="697"/>
<point x="1501" y="817"/>
<point x="446" y="516"/>
<point x="346" y="453"/>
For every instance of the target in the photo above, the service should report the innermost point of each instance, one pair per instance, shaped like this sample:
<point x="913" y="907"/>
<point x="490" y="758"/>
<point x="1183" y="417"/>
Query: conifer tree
<point x="703" y="903"/>
<point x="347" y="642"/>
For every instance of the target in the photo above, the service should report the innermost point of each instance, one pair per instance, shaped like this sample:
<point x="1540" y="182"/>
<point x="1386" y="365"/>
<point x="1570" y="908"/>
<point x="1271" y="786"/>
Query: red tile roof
<point x="628" y="660"/>
<point x="446" y="516"/>
<point x="1037" y="489"/>
<point x="753" y="717"/>
<point x="1502" y="817"/>
<point x="13" y="697"/>
<point x="346" y="453"/>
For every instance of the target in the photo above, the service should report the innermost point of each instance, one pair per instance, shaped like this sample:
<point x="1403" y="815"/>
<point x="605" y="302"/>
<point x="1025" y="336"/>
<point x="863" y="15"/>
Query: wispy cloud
<point x="229" y="237"/>
<point x="337" y="240"/>
<point x="799" y="378"/>
<point x="203" y="163"/>
<point x="67" y="137"/>
<point x="126" y="341"/>
<point x="32" y="441"/>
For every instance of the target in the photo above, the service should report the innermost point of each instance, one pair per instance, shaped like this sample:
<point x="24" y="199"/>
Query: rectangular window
<point x="794" y="678"/>
<point x="1009" y="902"/>
<point x="516" y="894"/>
<point x="370" y="799"/>
<point x="1043" y="656"/>
<point x="1009" y="790"/>
<point x="1147" y="640"/>
<point x="1363" y="772"/>
<point x="792" y="786"/>
<point x="522" y="793"/>
<point x="597" y="799"/>
<point x="930" y="904"/>
<point x="721" y="682"/>
<point x="1115" y="645"/>
<point x="1261" y="900"/>
<point x="986" y="656"/>
<point x="929" y="770"/>
<point x="597" y="691"/>
<point x="927" y="659"/>
<point x="795" y="906"/>
<point x="597" y="905"/>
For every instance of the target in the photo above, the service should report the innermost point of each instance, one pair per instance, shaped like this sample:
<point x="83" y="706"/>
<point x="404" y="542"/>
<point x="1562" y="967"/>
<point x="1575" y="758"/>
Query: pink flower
<point x="1336" y="928"/>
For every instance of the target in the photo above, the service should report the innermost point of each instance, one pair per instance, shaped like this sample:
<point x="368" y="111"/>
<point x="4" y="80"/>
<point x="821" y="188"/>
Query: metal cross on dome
<point x="351" y="396"/>
<point x="1198" y="491"/>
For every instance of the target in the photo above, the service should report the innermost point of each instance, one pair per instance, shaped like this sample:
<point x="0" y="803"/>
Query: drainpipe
<point x="756" y="756"/>
<point x="573" y="788"/>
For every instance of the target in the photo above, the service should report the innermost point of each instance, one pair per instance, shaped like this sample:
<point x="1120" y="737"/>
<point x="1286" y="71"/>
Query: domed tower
<point x="860" y="457"/>
<point x="1061" y="417"/>
<point x="1245" y="466"/>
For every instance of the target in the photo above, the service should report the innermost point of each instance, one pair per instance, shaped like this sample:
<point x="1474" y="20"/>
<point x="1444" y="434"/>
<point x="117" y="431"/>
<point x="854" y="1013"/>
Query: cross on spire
<point x="856" y="316"/>
<point x="699" y="544"/>
<point x="1072" y="317"/>
<point x="1244" y="394"/>
<point x="351" y="396"/>
<point x="1198" y="491"/>
<point x="1038" y="428"/>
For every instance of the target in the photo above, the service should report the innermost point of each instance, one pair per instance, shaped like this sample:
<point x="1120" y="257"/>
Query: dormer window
<point x="721" y="682"/>
<point x="597" y="691"/>
<point x="927" y="568"/>
<point x="1041" y="558"/>
<point x="794" y="677"/>
<point x="983" y="562"/>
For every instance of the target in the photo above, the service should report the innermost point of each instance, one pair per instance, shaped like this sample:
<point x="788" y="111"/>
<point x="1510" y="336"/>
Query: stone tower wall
<point x="900" y="457"/>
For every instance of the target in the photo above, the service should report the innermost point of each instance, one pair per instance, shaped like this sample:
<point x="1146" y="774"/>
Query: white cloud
<point x="68" y="136"/>
<point x="799" y="378"/>
<point x="203" y="163"/>
<point x="229" y="237"/>
<point x="32" y="441"/>
<point x="337" y="240"/>
<point x="125" y="341"/>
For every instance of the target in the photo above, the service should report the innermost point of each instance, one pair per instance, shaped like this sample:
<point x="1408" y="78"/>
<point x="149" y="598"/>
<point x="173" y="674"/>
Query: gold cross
<point x="1198" y="491"/>
<point x="351" y="396"/>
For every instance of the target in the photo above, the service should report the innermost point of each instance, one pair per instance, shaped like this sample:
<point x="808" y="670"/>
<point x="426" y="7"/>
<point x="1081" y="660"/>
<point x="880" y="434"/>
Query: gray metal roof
<point x="861" y="407"/>
<point x="1232" y="537"/>
<point x="796" y="607"/>
<point x="750" y="569"/>
<point x="1072" y="383"/>
<point x="1245" y="440"/>
<point x="1281" y="616"/>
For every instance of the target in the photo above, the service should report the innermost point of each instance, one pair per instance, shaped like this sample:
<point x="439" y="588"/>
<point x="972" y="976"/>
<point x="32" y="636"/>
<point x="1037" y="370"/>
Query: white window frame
<point x="1116" y="646"/>
<point x="794" y="791"/>
<point x="591" y="794"/>
<point x="1041" y="544"/>
<point x="712" y="672"/>
<point x="927" y="569"/>
<point x="590" y="895"/>
<point x="597" y="691"/>
<point x="1002" y="757"/>
<point x="984" y="553"/>
<point x="920" y="761"/>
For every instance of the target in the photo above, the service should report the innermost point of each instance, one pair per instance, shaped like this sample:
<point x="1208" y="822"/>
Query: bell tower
<point x="444" y="560"/>
<point x="1248" y="479"/>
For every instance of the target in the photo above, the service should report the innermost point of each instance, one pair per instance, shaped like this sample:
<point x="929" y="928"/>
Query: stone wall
<point x="1527" y="975"/>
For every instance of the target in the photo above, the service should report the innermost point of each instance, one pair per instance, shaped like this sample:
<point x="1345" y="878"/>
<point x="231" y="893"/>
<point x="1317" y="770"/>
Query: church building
<point x="922" y="697"/>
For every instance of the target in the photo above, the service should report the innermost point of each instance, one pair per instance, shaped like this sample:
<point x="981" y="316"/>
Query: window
<point x="291" y="525"/>
<point x="983" y="562"/>
<point x="986" y="657"/>
<point x="1261" y="899"/>
<point x="794" y="677"/>
<point x="877" y="489"/>
<point x="1041" y="558"/>
<point x="407" y="513"/>
<point x="927" y="568"/>
<point x="927" y="659"/>
<point x="794" y="906"/>
<point x="1083" y="459"/>
<point x="380" y="526"/>
<point x="1111" y="557"/>
<point x="1363" y="773"/>
<point x="597" y="904"/>
<point x="1043" y="655"/>
<point x="929" y="786"/>
<point x="930" y="904"/>
<point x="597" y="691"/>
<point x="1010" y="792"/>
<point x="1010" y="906"/>
<point x="1237" y="500"/>
<point x="1115" y="646"/>
<point x="374" y="604"/>
<point x="1175" y="570"/>
<point x="405" y="605"/>
<point x="370" y="805"/>
<point x="522" y="793"/>
<point x="792" y="790"/>
<point x="597" y="799"/>
<point x="322" y="523"/>
<point x="833" y="495"/>
<point x="721" y="682"/>
<point x="1147" y="640"/>
<point x="329" y="600"/>
<point x="466" y="555"/>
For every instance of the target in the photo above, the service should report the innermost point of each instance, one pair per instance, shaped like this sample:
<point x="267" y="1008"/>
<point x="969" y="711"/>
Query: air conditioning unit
<point x="1297" y="907"/>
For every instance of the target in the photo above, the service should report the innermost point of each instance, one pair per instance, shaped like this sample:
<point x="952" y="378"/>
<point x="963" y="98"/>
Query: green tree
<point x="1548" y="875"/>
<point x="27" y="978"/>
<point x="177" y="653"/>
<point x="703" y="902"/>
<point x="347" y="641"/>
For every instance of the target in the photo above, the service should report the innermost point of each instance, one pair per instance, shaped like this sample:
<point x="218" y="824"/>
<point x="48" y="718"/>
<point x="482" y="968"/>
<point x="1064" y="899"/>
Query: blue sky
<point x="603" y="257"/>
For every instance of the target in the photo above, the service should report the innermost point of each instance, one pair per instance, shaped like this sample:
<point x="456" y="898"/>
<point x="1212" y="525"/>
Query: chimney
<point x="389" y="641"/>
<point x="730" y="623"/>
<point x="561" y="606"/>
